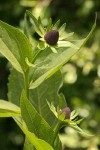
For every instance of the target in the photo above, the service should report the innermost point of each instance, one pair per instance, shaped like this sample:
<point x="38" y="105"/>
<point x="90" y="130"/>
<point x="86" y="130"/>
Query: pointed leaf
<point x="9" y="55"/>
<point x="47" y="92"/>
<point x="48" y="63"/>
<point x="34" y="121"/>
<point x="15" y="86"/>
<point x="15" y="46"/>
<point x="8" y="114"/>
<point x="5" y="105"/>
<point x="37" y="143"/>
<point x="7" y="109"/>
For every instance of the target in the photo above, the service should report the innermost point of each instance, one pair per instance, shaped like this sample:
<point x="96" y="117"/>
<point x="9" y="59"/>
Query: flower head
<point x="51" y="36"/>
<point x="67" y="112"/>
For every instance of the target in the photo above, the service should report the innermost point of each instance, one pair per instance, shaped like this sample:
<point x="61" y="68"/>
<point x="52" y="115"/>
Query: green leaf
<point x="47" y="92"/>
<point x="37" y="143"/>
<point x="34" y="121"/>
<point x="15" y="86"/>
<point x="5" y="105"/>
<point x="28" y="145"/>
<point x="8" y="108"/>
<point x="47" y="63"/>
<point x="9" y="55"/>
<point x="15" y="46"/>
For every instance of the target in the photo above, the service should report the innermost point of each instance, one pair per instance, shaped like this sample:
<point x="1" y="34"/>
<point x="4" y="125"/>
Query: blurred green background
<point x="81" y="75"/>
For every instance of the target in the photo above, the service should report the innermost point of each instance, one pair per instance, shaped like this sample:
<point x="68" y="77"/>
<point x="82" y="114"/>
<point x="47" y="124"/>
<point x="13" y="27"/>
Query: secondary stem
<point x="26" y="84"/>
<point x="56" y="130"/>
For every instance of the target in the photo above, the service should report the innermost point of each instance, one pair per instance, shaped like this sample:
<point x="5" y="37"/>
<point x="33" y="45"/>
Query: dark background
<point x="81" y="75"/>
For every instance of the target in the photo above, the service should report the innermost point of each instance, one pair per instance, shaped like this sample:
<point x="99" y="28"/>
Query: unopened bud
<point x="52" y="37"/>
<point x="67" y="112"/>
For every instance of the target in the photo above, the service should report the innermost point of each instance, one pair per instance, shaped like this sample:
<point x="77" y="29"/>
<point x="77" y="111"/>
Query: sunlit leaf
<point x="15" y="46"/>
<point x="9" y="55"/>
<point x="37" y="143"/>
<point x="8" y="108"/>
<point x="48" y="91"/>
<point x="48" y="63"/>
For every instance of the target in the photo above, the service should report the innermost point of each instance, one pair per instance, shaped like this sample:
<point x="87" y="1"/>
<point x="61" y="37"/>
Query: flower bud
<point x="52" y="37"/>
<point x="67" y="112"/>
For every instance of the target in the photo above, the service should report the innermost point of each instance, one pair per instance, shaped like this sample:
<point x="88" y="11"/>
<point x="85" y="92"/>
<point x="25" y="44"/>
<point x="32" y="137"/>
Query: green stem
<point x="56" y="131"/>
<point x="26" y="83"/>
<point x="36" y="55"/>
